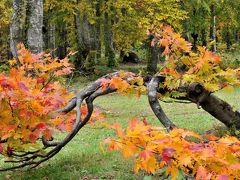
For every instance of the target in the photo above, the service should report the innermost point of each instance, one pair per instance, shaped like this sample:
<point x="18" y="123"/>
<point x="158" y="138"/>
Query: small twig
<point x="9" y="103"/>
<point x="176" y="101"/>
<point x="49" y="80"/>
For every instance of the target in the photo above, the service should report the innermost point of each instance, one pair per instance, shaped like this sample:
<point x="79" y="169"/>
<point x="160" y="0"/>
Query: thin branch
<point x="49" y="80"/>
<point x="176" y="101"/>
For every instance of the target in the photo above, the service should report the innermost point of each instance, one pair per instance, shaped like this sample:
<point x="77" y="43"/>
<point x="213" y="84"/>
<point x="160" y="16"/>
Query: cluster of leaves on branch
<point x="29" y="97"/>
<point x="132" y="85"/>
<point x="184" y="66"/>
<point x="153" y="149"/>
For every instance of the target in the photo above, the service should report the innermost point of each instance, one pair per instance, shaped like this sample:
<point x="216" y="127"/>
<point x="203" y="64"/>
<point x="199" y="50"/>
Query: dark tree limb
<point x="196" y="93"/>
<point x="218" y="108"/>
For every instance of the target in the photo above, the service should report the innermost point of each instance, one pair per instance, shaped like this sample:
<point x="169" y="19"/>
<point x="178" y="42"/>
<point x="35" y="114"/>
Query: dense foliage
<point x="30" y="95"/>
<point x="153" y="149"/>
<point x="184" y="66"/>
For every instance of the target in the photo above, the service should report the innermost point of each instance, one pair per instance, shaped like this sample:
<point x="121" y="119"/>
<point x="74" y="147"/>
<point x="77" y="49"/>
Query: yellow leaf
<point x="129" y="150"/>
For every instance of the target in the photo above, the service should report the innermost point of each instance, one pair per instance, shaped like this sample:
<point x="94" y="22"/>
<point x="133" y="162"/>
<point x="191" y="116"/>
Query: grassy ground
<point x="82" y="157"/>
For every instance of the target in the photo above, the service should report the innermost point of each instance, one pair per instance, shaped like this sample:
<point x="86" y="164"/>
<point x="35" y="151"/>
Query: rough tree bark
<point x="16" y="27"/>
<point x="153" y="53"/>
<point x="88" y="37"/>
<point x="218" y="108"/>
<point x="197" y="94"/>
<point x="34" y="33"/>
<point x="82" y="49"/>
<point x="155" y="105"/>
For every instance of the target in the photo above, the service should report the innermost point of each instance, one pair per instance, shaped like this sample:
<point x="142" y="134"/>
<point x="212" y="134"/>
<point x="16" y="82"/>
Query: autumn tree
<point x="34" y="105"/>
<point x="187" y="75"/>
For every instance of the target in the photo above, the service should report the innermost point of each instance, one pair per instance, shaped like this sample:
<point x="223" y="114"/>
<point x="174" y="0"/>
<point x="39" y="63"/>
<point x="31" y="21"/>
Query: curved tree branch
<point x="155" y="105"/>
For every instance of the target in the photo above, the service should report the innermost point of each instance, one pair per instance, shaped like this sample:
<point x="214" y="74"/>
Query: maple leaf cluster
<point x="126" y="83"/>
<point x="184" y="66"/>
<point x="29" y="97"/>
<point x="153" y="149"/>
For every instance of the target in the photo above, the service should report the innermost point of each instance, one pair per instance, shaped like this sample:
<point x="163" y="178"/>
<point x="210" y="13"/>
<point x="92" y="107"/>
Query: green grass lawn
<point x="82" y="157"/>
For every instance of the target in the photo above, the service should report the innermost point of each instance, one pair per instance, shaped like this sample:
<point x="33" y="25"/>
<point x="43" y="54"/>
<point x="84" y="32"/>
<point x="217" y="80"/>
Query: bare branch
<point x="154" y="103"/>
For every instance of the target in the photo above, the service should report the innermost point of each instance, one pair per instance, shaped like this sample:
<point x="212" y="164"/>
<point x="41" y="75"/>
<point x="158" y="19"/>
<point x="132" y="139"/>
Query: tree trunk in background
<point x="62" y="47"/>
<point x="204" y="37"/>
<point x="98" y="30"/>
<point x="195" y="38"/>
<point x="16" y="30"/>
<point x="153" y="56"/>
<point x="228" y="39"/>
<point x="34" y="33"/>
<point x="213" y="29"/>
<point x="90" y="38"/>
<point x="236" y="36"/>
<point x="52" y="39"/>
<point x="45" y="32"/>
<point x="108" y="42"/>
<point x="86" y="42"/>
<point x="152" y="60"/>
<point x="86" y="34"/>
<point x="82" y="52"/>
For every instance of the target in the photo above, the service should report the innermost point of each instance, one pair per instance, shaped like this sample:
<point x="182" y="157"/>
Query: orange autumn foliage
<point x="29" y="96"/>
<point x="183" y="66"/>
<point x="153" y="149"/>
